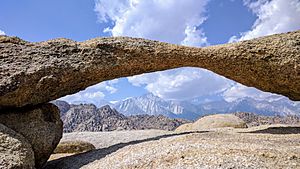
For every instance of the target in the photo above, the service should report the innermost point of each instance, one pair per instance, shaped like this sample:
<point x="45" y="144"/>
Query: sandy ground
<point x="224" y="148"/>
<point x="106" y="139"/>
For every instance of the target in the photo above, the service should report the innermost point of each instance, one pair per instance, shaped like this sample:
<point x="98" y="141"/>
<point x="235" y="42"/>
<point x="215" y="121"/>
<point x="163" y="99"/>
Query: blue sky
<point x="186" y="22"/>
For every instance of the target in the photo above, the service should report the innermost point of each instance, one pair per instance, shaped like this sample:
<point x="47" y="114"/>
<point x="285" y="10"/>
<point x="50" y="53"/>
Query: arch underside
<point x="34" y="73"/>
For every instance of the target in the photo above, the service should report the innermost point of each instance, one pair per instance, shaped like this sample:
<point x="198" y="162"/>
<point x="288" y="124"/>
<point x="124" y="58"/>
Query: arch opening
<point x="186" y="93"/>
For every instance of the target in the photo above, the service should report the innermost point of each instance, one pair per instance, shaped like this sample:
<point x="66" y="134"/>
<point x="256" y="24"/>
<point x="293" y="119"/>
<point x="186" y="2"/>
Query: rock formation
<point x="218" y="149"/>
<point x="32" y="74"/>
<point x="62" y="106"/>
<point x="29" y="70"/>
<point x="208" y="150"/>
<point x="214" y="121"/>
<point x="75" y="147"/>
<point x="87" y="117"/>
<point x="256" y="120"/>
<point x="15" y="151"/>
<point x="41" y="126"/>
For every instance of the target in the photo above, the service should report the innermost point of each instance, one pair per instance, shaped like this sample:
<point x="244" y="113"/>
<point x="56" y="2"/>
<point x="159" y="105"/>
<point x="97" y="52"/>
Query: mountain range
<point x="194" y="108"/>
<point x="87" y="117"/>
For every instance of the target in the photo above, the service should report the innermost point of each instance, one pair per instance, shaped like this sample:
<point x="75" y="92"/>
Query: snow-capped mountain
<point x="148" y="104"/>
<point x="196" y="107"/>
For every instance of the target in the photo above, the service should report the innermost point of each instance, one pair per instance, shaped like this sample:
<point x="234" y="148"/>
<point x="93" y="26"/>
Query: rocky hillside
<point x="87" y="117"/>
<point x="252" y="119"/>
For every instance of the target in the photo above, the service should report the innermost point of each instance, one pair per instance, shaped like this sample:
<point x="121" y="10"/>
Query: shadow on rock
<point x="278" y="130"/>
<point x="79" y="160"/>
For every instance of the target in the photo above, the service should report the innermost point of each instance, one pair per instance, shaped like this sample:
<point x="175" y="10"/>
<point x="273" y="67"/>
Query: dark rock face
<point x="86" y="117"/>
<point x="41" y="126"/>
<point x="30" y="70"/>
<point x="15" y="151"/>
<point x="63" y="106"/>
<point x="255" y="120"/>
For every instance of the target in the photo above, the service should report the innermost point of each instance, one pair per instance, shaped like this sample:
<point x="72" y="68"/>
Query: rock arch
<point x="31" y="74"/>
<point x="34" y="73"/>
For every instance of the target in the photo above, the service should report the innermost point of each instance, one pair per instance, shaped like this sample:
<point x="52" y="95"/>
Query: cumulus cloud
<point x="2" y="32"/>
<point x="194" y="37"/>
<point x="240" y="91"/>
<point x="275" y="16"/>
<point x="173" y="21"/>
<point x="93" y="94"/>
<point x="181" y="84"/>
<point x="179" y="22"/>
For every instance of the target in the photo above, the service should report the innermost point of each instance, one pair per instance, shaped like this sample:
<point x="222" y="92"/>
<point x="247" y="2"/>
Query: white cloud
<point x="179" y="22"/>
<point x="233" y="39"/>
<point x="93" y="94"/>
<point x="2" y="32"/>
<point x="182" y="83"/>
<point x="240" y="91"/>
<point x="194" y="37"/>
<point x="275" y="16"/>
<point x="173" y="21"/>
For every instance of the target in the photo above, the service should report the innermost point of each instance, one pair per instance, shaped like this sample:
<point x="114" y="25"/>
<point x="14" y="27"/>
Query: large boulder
<point x="33" y="73"/>
<point x="40" y="125"/>
<point x="15" y="151"/>
<point x="214" y="121"/>
<point x="219" y="121"/>
<point x="185" y="127"/>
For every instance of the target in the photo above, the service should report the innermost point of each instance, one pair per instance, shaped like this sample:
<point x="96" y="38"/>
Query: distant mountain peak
<point x="192" y="109"/>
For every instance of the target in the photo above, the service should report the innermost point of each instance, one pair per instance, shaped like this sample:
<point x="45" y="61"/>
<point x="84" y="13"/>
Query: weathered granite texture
<point x="15" y="151"/>
<point x="33" y="73"/>
<point x="214" y="121"/>
<point x="41" y="126"/>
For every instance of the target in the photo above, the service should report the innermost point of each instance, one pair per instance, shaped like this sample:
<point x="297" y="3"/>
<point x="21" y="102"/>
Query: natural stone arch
<point x="33" y="73"/>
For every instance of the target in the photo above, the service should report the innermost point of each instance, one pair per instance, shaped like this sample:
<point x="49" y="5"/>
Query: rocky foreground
<point x="217" y="148"/>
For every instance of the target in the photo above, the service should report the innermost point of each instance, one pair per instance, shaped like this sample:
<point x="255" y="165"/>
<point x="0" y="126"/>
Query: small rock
<point x="73" y="147"/>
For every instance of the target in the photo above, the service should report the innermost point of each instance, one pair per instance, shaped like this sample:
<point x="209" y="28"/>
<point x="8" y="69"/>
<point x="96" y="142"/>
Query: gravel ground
<point x="214" y="149"/>
<point x="106" y="139"/>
